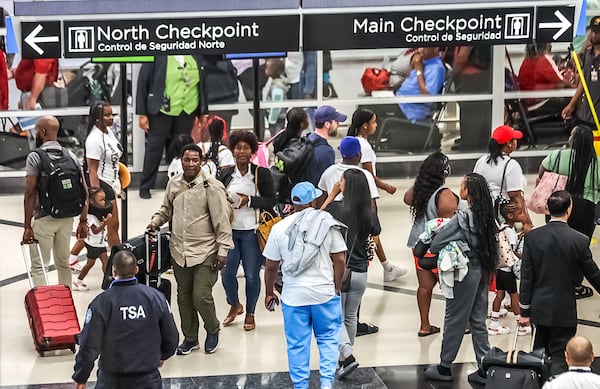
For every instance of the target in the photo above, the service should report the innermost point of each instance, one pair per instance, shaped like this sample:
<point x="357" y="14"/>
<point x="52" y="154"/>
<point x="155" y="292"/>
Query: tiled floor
<point x="392" y="358"/>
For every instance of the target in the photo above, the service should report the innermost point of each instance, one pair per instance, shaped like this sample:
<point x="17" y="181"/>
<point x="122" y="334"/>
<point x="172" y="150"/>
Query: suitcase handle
<point x="511" y="356"/>
<point x="156" y="235"/>
<point x="27" y="260"/>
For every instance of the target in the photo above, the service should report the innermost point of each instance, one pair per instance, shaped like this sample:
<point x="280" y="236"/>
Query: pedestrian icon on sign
<point x="517" y="26"/>
<point x="81" y="39"/>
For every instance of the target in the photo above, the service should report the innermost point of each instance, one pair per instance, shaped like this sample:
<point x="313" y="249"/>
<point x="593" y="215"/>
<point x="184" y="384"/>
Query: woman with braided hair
<point x="429" y="198"/>
<point x="580" y="165"/>
<point x="474" y="229"/>
<point x="215" y="155"/>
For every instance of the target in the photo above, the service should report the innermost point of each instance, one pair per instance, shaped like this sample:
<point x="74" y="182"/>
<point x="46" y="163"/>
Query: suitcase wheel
<point x="41" y="353"/>
<point x="72" y="349"/>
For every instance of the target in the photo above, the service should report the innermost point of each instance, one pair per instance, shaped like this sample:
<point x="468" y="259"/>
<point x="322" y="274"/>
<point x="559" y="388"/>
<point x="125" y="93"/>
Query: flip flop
<point x="432" y="330"/>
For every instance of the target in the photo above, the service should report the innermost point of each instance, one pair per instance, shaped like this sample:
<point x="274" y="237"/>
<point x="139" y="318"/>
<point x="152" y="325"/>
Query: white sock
<point x="387" y="266"/>
<point x="73" y="259"/>
<point x="517" y="317"/>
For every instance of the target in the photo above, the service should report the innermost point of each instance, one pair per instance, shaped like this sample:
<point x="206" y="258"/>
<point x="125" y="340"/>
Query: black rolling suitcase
<point x="153" y="259"/>
<point x="514" y="368"/>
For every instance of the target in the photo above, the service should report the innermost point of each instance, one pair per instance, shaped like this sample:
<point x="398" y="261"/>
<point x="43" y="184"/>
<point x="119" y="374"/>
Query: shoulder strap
<point x="556" y="164"/>
<point x="272" y="139"/>
<point x="503" y="175"/>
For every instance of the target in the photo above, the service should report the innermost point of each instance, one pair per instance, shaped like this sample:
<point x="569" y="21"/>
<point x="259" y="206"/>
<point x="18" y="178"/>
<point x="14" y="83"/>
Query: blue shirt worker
<point x="312" y="251"/>
<point x="131" y="327"/>
<point x="426" y="78"/>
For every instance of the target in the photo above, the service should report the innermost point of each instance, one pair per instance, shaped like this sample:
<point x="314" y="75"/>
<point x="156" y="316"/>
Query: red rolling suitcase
<point x="51" y="313"/>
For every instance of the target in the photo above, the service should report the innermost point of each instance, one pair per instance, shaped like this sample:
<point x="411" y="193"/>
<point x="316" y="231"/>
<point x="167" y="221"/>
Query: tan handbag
<point x="266" y="222"/>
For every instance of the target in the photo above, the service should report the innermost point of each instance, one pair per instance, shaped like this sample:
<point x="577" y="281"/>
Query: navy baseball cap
<point x="327" y="113"/>
<point x="304" y="193"/>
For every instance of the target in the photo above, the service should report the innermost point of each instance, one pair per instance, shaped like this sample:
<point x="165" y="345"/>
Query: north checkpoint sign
<point x="84" y="39"/>
<point x="437" y="28"/>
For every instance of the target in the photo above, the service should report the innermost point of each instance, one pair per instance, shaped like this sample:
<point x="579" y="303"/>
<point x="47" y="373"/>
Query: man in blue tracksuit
<point x="132" y="328"/>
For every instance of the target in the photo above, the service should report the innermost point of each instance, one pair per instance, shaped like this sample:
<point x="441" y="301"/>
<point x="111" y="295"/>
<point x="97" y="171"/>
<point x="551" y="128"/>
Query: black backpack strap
<point x="503" y="175"/>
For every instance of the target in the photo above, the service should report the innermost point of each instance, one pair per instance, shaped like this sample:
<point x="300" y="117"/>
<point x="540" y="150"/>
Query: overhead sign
<point x="112" y="38"/>
<point x="40" y="40"/>
<point x="431" y="28"/>
<point x="555" y="24"/>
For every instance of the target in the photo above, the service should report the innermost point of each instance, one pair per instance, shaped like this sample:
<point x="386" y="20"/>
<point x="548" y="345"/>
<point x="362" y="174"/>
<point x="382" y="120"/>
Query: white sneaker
<point x="79" y="285"/>
<point x="525" y="330"/>
<point x="498" y="330"/>
<point x="394" y="273"/>
<point x="76" y="267"/>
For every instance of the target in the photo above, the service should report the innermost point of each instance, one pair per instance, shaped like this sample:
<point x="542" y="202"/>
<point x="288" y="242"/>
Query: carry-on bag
<point x="138" y="245"/>
<point x="50" y="311"/>
<point x="154" y="263"/>
<point x="514" y="368"/>
<point x="153" y="259"/>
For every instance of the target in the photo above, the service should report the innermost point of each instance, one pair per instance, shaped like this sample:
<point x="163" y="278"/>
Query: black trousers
<point x="475" y="116"/>
<point x="126" y="381"/>
<point x="554" y="341"/>
<point x="163" y="129"/>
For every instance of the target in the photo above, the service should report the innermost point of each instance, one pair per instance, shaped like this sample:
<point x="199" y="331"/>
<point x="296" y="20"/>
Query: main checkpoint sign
<point x="113" y="38"/>
<point x="435" y="28"/>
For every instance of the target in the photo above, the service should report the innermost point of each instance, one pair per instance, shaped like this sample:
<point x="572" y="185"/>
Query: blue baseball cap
<point x="349" y="147"/>
<point x="327" y="113"/>
<point x="305" y="192"/>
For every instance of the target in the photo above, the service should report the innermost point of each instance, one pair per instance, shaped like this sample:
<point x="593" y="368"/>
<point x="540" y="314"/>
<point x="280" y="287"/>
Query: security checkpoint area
<point x="103" y="44"/>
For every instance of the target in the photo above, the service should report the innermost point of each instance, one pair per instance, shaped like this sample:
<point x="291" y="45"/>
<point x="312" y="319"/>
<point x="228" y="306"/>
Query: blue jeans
<point x="298" y="322"/>
<point x="350" y="303"/>
<point x="246" y="250"/>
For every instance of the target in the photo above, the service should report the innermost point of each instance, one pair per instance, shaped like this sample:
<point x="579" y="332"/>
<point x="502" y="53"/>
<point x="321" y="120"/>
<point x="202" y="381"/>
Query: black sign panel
<point x="181" y="36"/>
<point x="418" y="29"/>
<point x="40" y="40"/>
<point x="554" y="24"/>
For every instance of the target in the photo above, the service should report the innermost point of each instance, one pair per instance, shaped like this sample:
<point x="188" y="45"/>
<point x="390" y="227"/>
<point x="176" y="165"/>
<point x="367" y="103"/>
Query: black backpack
<point x="60" y="185"/>
<point x="294" y="158"/>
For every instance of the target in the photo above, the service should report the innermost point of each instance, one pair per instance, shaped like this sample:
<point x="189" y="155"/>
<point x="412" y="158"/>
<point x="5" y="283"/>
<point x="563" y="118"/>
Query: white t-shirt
<point x="95" y="240"/>
<point x="513" y="180"/>
<point x="225" y="155"/>
<point x="368" y="155"/>
<point x="175" y="168"/>
<point x="315" y="285"/>
<point x="209" y="167"/>
<point x="244" y="218"/>
<point x="333" y="174"/>
<point x="106" y="149"/>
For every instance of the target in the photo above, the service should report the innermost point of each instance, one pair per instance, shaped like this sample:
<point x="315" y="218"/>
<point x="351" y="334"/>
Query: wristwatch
<point x="419" y="73"/>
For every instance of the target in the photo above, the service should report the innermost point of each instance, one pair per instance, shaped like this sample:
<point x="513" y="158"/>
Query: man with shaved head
<point x="579" y="355"/>
<point x="131" y="327"/>
<point x="52" y="231"/>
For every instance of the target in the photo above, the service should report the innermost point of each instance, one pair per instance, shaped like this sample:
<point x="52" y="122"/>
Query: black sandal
<point x="366" y="329"/>
<point x="432" y="330"/>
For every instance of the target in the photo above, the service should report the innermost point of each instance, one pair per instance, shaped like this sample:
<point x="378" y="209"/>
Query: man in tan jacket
<point x="197" y="206"/>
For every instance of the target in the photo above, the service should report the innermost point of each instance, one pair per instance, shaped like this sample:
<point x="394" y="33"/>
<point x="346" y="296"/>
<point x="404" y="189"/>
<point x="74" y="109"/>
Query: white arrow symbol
<point x="32" y="39"/>
<point x="563" y="25"/>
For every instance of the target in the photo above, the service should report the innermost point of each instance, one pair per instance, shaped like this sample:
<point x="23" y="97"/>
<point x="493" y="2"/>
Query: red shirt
<point x="28" y="67"/>
<point x="539" y="73"/>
